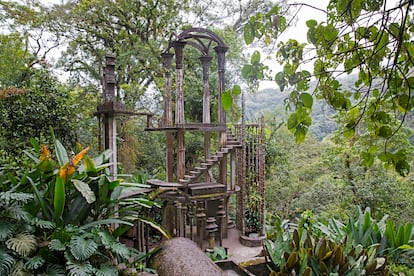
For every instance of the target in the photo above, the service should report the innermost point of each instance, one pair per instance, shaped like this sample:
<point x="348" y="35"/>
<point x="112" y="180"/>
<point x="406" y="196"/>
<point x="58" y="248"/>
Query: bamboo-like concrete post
<point x="221" y="58"/>
<point x="205" y="61"/>
<point x="109" y="119"/>
<point x="242" y="176"/>
<point x="167" y="58"/>
<point x="179" y="107"/>
<point x="262" y="171"/>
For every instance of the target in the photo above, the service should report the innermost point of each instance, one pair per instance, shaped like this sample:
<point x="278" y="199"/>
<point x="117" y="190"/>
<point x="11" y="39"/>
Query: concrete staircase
<point x="193" y="176"/>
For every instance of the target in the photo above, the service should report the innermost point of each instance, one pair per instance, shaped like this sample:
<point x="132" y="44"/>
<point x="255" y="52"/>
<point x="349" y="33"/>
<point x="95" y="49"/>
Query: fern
<point x="76" y="268"/>
<point x="7" y="262"/>
<point x="55" y="270"/>
<point x="23" y="243"/>
<point x="6" y="229"/>
<point x="56" y="245"/>
<point x="106" y="270"/>
<point x="34" y="263"/>
<point x="82" y="248"/>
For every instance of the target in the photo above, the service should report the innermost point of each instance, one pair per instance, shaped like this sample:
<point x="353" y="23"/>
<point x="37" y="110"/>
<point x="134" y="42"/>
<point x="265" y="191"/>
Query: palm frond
<point x="6" y="229"/>
<point x="106" y="270"/>
<point x="23" y="244"/>
<point x="7" y="262"/>
<point x="82" y="248"/>
<point x="34" y="263"/>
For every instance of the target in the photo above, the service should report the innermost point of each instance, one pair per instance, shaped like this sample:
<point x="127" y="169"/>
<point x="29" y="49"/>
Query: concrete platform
<point x="237" y="252"/>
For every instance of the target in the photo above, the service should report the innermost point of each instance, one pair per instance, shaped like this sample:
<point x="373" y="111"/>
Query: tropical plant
<point x="395" y="242"/>
<point x="73" y="218"/>
<point x="301" y="253"/>
<point x="219" y="253"/>
<point x="252" y="215"/>
<point x="307" y="255"/>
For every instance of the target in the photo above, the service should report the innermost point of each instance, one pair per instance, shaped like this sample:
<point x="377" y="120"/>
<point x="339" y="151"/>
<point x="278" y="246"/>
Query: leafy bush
<point x="362" y="245"/>
<point x="300" y="253"/>
<point x="59" y="217"/>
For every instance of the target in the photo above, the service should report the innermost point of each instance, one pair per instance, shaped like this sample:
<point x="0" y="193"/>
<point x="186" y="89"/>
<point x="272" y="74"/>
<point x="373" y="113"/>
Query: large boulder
<point x="182" y="257"/>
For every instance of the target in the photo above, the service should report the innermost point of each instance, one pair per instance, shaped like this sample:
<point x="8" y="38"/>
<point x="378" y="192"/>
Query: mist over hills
<point x="272" y="100"/>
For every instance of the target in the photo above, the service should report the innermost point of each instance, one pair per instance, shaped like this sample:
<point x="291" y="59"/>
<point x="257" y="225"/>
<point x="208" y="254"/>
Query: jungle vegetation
<point x="339" y="140"/>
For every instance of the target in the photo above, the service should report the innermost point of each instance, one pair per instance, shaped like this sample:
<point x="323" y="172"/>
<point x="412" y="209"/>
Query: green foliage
<point x="67" y="225"/>
<point x="42" y="104"/>
<point x="379" y="53"/>
<point x="362" y="244"/>
<point x="301" y="253"/>
<point x="390" y="240"/>
<point x="218" y="254"/>
<point x="252" y="215"/>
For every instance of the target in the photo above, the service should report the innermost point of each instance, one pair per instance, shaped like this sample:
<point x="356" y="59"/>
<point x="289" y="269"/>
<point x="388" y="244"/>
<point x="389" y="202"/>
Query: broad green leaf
<point x="394" y="29"/>
<point x="255" y="57"/>
<point x="311" y="23"/>
<point x="384" y="131"/>
<point x="300" y="134"/>
<point x="330" y="33"/>
<point x="226" y="100"/>
<point x="247" y="71"/>
<point x="59" y="199"/>
<point x="403" y="167"/>
<point x="85" y="190"/>
<point x="410" y="50"/>
<point x="292" y="120"/>
<point x="367" y="159"/>
<point x="404" y="102"/>
<point x="236" y="90"/>
<point x="280" y="80"/>
<point x="307" y="100"/>
<point x="349" y="133"/>
<point x="61" y="153"/>
<point x="249" y="33"/>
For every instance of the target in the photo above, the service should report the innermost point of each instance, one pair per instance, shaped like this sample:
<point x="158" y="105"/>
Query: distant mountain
<point x="272" y="100"/>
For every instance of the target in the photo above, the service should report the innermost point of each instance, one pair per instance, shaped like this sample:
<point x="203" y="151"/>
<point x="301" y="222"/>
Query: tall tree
<point x="373" y="39"/>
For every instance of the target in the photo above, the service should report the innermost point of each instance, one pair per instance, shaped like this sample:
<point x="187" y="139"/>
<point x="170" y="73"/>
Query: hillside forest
<point x="339" y="137"/>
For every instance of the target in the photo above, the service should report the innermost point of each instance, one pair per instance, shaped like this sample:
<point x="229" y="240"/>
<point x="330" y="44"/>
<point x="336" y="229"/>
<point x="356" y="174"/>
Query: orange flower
<point x="44" y="153"/>
<point x="70" y="167"/>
